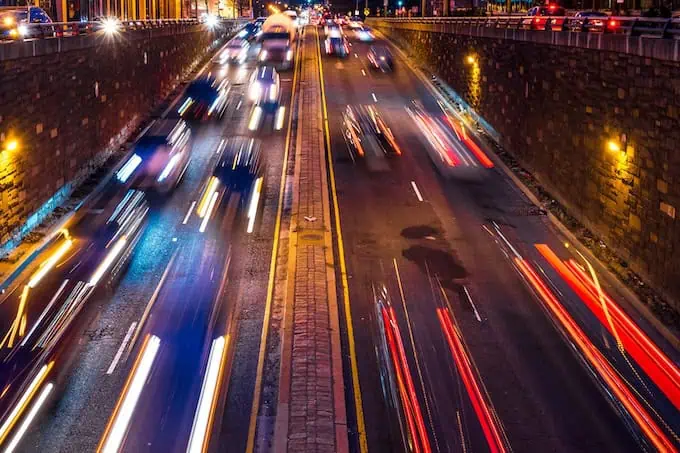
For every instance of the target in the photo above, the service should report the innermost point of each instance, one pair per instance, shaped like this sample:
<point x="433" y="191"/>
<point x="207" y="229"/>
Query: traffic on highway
<point x="468" y="321"/>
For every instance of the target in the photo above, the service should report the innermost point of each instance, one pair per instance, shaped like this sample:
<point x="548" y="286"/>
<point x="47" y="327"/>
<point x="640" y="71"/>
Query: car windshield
<point x="592" y="14"/>
<point x="275" y="35"/>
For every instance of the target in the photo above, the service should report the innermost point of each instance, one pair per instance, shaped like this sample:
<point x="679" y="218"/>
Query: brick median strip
<point x="311" y="413"/>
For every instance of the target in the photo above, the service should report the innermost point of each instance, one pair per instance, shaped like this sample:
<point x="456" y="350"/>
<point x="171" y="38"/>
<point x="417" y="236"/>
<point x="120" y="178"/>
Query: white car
<point x="236" y="50"/>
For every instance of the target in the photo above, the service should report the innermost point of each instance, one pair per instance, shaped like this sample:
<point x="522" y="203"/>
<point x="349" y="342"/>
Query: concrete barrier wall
<point x="66" y="100"/>
<point x="557" y="107"/>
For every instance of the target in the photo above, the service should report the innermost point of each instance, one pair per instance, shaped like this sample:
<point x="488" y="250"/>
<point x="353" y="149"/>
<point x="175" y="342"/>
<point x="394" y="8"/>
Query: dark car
<point x="380" y="58"/>
<point x="24" y="23"/>
<point x="240" y="170"/>
<point x="265" y="88"/>
<point x="366" y="133"/>
<point x="162" y="156"/>
<point x="337" y="45"/>
<point x="204" y="99"/>
<point x="591" y="21"/>
<point x="551" y="17"/>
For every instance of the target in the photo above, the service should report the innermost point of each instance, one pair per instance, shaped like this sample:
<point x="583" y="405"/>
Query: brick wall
<point x="66" y="105"/>
<point x="556" y="108"/>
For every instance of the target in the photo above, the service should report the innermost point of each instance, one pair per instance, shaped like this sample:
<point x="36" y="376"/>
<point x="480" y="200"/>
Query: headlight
<point x="8" y="21"/>
<point x="255" y="90"/>
<point x="273" y="92"/>
<point x="289" y="55"/>
<point x="22" y="29"/>
<point x="263" y="55"/>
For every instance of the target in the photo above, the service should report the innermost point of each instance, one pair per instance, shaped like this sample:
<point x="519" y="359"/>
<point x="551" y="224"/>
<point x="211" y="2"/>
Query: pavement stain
<point x="420" y="232"/>
<point x="438" y="262"/>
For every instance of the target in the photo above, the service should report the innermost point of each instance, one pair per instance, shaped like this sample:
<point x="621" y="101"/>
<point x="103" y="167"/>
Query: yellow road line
<point x="250" y="445"/>
<point x="358" y="405"/>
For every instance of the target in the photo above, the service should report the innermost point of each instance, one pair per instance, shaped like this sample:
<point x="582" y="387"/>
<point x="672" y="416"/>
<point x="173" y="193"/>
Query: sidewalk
<point x="311" y="415"/>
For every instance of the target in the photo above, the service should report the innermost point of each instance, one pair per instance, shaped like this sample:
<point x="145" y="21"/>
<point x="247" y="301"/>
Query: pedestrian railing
<point x="633" y="26"/>
<point x="111" y="26"/>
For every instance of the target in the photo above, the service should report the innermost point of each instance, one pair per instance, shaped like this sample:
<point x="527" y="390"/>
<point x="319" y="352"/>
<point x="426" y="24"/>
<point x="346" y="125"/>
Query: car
<point x="236" y="51"/>
<point x="162" y="156"/>
<point x="204" y="98"/>
<point x="591" y="21"/>
<point x="338" y="45"/>
<point x="24" y="23"/>
<point x="331" y="26"/>
<point x="265" y="88"/>
<point x="364" y="34"/>
<point x="380" y="58"/>
<point x="240" y="171"/>
<point x="366" y="133"/>
<point x="250" y="31"/>
<point x="355" y="22"/>
<point x="551" y="17"/>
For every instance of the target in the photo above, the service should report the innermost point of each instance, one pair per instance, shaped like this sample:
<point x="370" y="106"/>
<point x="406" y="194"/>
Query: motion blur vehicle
<point x="331" y="27"/>
<point x="355" y="22"/>
<point x="364" y="34"/>
<point x="162" y="156"/>
<point x="240" y="170"/>
<point x="236" y="51"/>
<point x="367" y="135"/>
<point x="277" y="42"/>
<point x="380" y="58"/>
<point x="250" y="31"/>
<point x="265" y="87"/>
<point x="591" y="21"/>
<point x="337" y="44"/>
<point x="551" y="17"/>
<point x="451" y="149"/>
<point x="204" y="99"/>
<point x="16" y="23"/>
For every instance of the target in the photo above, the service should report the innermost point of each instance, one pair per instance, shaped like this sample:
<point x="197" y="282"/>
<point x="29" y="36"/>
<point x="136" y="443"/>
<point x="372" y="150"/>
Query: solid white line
<point x="29" y="418"/>
<point x="415" y="189"/>
<point x="479" y="318"/>
<point x="238" y="106"/>
<point x="374" y="98"/>
<point x="363" y="72"/>
<point x="116" y="358"/>
<point x="191" y="208"/>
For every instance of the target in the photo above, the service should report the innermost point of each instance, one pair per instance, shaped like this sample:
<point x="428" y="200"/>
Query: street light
<point x="11" y="145"/>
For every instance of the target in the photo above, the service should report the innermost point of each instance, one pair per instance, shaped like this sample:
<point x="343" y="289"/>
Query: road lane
<point x="76" y="422"/>
<point x="540" y="408"/>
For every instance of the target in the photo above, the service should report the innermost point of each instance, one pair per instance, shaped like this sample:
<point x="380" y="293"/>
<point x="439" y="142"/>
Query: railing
<point x="632" y="26"/>
<point x="25" y="32"/>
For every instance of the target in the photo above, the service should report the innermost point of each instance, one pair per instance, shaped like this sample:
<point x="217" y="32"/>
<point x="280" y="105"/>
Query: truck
<point x="277" y="41"/>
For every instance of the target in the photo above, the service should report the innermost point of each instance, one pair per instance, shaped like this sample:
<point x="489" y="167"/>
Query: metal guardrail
<point x="26" y="32"/>
<point x="632" y="26"/>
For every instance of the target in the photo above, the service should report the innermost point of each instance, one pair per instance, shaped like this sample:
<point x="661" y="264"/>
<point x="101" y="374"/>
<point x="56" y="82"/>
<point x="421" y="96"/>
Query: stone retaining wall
<point x="68" y="103"/>
<point x="557" y="108"/>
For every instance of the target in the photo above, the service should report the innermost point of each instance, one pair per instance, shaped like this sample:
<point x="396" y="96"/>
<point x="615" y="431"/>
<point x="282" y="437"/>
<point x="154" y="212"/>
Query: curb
<point x="629" y="294"/>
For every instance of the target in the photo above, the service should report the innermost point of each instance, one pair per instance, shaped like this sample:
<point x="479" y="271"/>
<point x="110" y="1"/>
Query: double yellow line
<point x="358" y="404"/>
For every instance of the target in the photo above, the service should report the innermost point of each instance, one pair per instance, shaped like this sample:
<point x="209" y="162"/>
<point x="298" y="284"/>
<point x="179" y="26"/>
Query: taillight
<point x="536" y="20"/>
<point x="613" y="23"/>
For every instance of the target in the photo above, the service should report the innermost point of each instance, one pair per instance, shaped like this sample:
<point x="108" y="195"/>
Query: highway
<point x="185" y="284"/>
<point x="474" y="324"/>
<point x="433" y="243"/>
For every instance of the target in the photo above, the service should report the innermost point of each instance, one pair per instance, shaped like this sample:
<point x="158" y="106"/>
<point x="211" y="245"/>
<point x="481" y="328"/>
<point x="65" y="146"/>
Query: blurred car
<point x="342" y="21"/>
<point x="24" y="23"/>
<point x="260" y="20"/>
<point x="590" y="21"/>
<point x="380" y="58"/>
<point x="338" y="45"/>
<point x="366" y="133"/>
<point x="355" y="22"/>
<point x="240" y="170"/>
<point x="551" y="17"/>
<point x="265" y="88"/>
<point x="364" y="34"/>
<point x="331" y="25"/>
<point x="204" y="99"/>
<point x="236" y="51"/>
<point x="249" y="31"/>
<point x="162" y="156"/>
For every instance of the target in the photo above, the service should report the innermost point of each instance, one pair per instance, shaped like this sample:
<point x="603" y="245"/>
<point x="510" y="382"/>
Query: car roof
<point x="163" y="128"/>
<point x="592" y="13"/>
<point x="240" y="152"/>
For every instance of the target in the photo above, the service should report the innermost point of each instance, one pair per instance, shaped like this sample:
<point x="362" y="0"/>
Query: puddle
<point x="420" y="232"/>
<point x="439" y="263"/>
